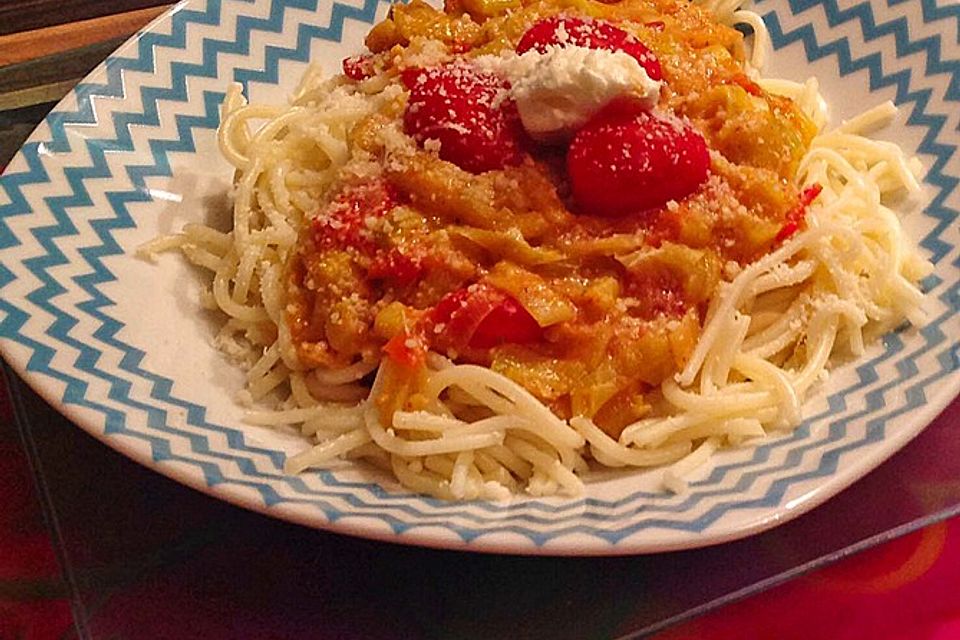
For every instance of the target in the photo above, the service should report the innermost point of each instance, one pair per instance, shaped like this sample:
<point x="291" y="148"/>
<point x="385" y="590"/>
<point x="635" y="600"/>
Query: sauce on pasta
<point x="484" y="278"/>
<point x="586" y="312"/>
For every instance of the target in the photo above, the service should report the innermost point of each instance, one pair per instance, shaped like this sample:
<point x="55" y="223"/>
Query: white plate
<point x="120" y="347"/>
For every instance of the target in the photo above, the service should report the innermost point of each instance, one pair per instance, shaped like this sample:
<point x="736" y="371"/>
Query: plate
<point x="120" y="346"/>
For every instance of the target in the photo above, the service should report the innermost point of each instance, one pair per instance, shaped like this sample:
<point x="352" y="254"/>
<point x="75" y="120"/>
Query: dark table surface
<point x="114" y="550"/>
<point x="138" y="556"/>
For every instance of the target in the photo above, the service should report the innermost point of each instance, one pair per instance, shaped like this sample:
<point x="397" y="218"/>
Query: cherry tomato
<point x="507" y="322"/>
<point x="482" y="316"/>
<point x="359" y="67"/>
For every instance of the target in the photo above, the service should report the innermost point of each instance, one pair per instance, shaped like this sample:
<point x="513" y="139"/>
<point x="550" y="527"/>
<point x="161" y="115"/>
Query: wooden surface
<point x="24" y="15"/>
<point x="48" y="46"/>
<point x="37" y="43"/>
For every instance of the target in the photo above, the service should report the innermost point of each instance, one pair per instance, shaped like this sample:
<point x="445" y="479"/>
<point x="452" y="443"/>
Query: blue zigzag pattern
<point x="637" y="511"/>
<point x="930" y="47"/>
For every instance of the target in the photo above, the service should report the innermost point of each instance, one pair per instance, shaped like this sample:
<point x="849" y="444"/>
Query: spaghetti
<point x="768" y="330"/>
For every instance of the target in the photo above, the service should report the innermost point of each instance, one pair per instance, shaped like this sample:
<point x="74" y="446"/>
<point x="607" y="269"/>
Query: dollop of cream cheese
<point x="556" y="92"/>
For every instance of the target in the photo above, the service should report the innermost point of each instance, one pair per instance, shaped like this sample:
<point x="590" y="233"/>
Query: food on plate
<point x="515" y="238"/>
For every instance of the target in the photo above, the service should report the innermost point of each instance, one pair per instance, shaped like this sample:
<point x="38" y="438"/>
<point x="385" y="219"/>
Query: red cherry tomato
<point x="507" y="322"/>
<point x="469" y="112"/>
<point x="482" y="316"/>
<point x="626" y="160"/>
<point x="359" y="67"/>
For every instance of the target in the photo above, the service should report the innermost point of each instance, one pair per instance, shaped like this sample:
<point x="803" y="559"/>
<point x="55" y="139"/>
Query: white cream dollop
<point x="558" y="91"/>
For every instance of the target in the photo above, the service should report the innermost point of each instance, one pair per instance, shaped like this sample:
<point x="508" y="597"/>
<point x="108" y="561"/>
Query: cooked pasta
<point x="768" y="331"/>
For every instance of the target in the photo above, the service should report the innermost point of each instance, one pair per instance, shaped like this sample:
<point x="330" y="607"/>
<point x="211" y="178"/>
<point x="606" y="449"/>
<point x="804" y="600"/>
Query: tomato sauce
<point x="504" y="268"/>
